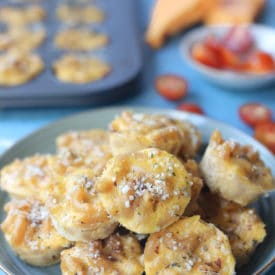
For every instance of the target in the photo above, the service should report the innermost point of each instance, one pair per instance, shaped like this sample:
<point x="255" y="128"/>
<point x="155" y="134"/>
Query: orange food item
<point x="171" y="87"/>
<point x="259" y="62"/>
<point x="234" y="12"/>
<point x="255" y="113"/>
<point x="206" y="55"/>
<point x="213" y="43"/>
<point x="229" y="59"/>
<point x="169" y="17"/>
<point x="265" y="133"/>
<point x="191" y="108"/>
<point x="226" y="57"/>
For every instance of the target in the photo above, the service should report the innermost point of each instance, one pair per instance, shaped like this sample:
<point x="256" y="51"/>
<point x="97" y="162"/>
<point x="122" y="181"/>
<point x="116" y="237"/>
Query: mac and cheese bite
<point x="189" y="246"/>
<point x="234" y="171"/>
<point x="145" y="191"/>
<point x="118" y="254"/>
<point x="28" y="178"/>
<point x="19" y="16"/>
<point x="131" y="132"/>
<point x="244" y="228"/>
<point x="76" y="210"/>
<point x="29" y="231"/>
<point x="89" y="148"/>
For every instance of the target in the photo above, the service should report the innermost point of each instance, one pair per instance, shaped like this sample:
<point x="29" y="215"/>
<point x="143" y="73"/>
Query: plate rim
<point x="118" y="109"/>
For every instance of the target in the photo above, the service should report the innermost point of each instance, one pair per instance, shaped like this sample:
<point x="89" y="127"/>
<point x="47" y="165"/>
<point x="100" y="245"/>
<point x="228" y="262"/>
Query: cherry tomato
<point x="265" y="133"/>
<point x="191" y="108"/>
<point x="213" y="43"/>
<point x="205" y="55"/>
<point x="255" y="113"/>
<point x="172" y="87"/>
<point x="229" y="59"/>
<point x="260" y="62"/>
<point x="238" y="40"/>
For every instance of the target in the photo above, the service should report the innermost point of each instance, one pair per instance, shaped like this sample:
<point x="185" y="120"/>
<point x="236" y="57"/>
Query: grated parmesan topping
<point x="37" y="214"/>
<point x="189" y="264"/>
<point x="96" y="270"/>
<point x="138" y="117"/>
<point x="68" y="158"/>
<point x="33" y="244"/>
<point x="93" y="252"/>
<point x="87" y="183"/>
<point x="34" y="171"/>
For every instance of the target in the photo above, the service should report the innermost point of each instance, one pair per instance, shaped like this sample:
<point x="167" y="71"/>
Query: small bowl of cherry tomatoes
<point x="235" y="57"/>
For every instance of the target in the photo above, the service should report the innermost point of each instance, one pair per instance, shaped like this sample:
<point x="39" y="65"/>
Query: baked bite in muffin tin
<point x="80" y="43"/>
<point x="84" y="14"/>
<point x="21" y="39"/>
<point x="22" y="15"/>
<point x="80" y="39"/>
<point x="79" y="69"/>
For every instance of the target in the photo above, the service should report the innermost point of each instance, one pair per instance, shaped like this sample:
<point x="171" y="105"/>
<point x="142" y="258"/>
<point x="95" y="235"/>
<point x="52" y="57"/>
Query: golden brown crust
<point x="146" y="190"/>
<point x="115" y="255"/>
<point x="189" y="246"/>
<point x="30" y="233"/>
<point x="245" y="230"/>
<point x="234" y="171"/>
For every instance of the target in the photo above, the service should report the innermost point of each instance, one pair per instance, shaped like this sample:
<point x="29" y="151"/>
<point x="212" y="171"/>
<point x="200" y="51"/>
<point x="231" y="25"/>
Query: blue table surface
<point x="218" y="103"/>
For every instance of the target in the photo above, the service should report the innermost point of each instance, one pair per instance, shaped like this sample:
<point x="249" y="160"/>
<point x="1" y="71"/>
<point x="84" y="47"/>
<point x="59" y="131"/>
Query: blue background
<point x="217" y="103"/>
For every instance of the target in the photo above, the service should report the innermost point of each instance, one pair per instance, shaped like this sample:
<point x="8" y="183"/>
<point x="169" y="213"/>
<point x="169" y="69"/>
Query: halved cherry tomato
<point x="229" y="59"/>
<point x="255" y="113"/>
<point x="260" y="62"/>
<point x="265" y="133"/>
<point x="172" y="87"/>
<point x="213" y="43"/>
<point x="238" y="39"/>
<point x="205" y="55"/>
<point x="191" y="108"/>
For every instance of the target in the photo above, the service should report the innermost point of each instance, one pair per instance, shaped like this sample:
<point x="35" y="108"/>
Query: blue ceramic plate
<point x="43" y="141"/>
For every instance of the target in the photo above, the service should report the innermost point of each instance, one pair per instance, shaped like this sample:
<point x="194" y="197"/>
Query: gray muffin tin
<point x="123" y="53"/>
